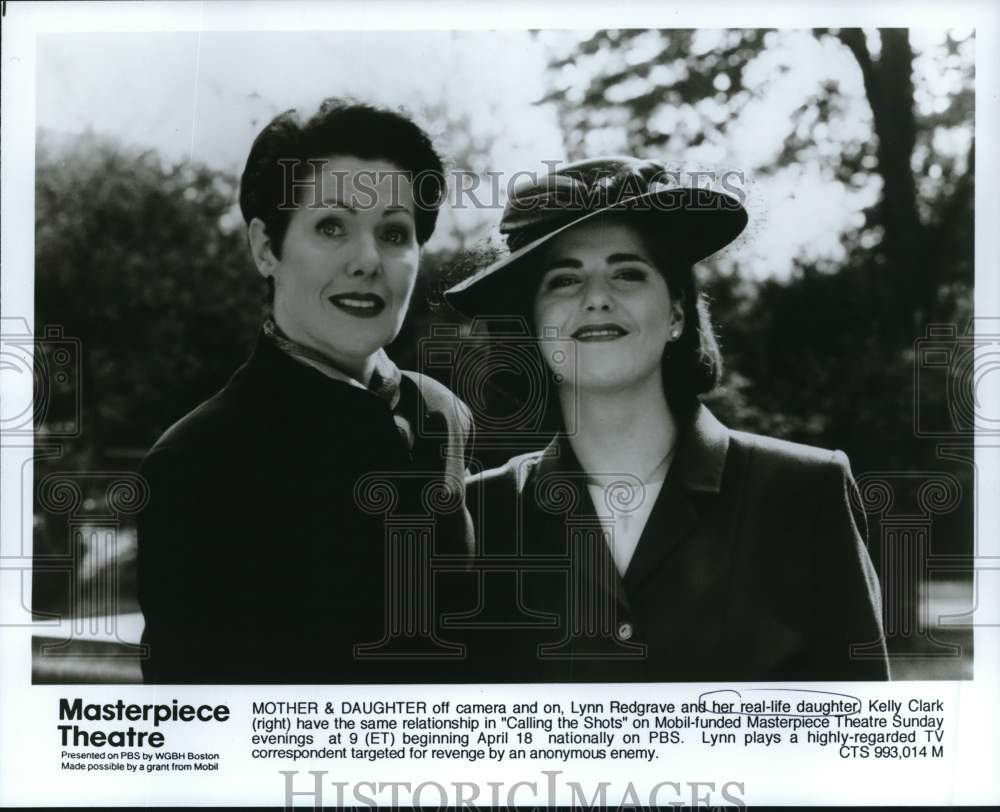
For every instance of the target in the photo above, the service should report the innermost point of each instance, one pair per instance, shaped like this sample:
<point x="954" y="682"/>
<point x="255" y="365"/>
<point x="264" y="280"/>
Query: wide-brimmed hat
<point x="697" y="222"/>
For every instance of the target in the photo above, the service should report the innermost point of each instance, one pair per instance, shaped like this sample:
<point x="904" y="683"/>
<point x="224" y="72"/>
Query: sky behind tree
<point x="203" y="96"/>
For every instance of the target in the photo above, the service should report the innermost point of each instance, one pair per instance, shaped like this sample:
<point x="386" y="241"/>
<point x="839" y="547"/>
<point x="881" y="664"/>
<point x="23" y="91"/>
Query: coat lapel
<point x="672" y="520"/>
<point x="676" y="587"/>
<point x="697" y="468"/>
<point x="563" y="497"/>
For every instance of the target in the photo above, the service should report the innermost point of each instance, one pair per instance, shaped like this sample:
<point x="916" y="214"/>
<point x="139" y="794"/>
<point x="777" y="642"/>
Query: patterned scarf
<point x="384" y="383"/>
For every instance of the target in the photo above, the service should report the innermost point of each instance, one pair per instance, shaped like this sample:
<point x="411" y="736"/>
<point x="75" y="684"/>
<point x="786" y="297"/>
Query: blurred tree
<point x="145" y="265"/>
<point x="671" y="93"/>
<point x="824" y="356"/>
<point x="889" y="88"/>
<point x="878" y="119"/>
<point x="142" y="264"/>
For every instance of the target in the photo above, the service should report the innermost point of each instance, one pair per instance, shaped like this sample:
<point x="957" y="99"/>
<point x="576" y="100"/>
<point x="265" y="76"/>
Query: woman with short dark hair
<point x="265" y="552"/>
<point x="287" y="149"/>
<point x="659" y="544"/>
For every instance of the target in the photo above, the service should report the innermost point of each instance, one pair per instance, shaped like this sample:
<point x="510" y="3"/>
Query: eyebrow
<point x="336" y="202"/>
<point x="615" y="258"/>
<point x="397" y="209"/>
<point x="612" y="259"/>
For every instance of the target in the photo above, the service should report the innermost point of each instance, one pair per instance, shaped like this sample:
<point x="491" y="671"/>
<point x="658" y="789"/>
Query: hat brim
<point x="702" y="221"/>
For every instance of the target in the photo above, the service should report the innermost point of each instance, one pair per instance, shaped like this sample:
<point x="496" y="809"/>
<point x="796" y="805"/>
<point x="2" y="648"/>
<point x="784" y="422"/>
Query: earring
<point x="675" y="334"/>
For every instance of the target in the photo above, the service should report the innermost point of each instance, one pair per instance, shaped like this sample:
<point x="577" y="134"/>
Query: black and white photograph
<point x="784" y="220"/>
<point x="616" y="358"/>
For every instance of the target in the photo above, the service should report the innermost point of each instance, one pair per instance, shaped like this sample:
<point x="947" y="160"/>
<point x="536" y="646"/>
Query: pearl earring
<point x="675" y="334"/>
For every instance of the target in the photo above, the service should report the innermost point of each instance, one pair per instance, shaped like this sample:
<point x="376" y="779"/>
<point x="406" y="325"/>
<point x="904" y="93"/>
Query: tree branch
<point x="854" y="39"/>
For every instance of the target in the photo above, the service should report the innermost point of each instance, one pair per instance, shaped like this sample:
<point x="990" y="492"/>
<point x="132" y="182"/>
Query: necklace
<point x="660" y="471"/>
<point x="658" y="474"/>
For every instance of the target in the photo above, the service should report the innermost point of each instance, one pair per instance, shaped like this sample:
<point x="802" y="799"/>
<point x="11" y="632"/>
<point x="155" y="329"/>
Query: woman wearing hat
<point x="652" y="542"/>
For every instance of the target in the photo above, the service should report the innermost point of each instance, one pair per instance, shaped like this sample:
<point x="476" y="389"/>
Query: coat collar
<point x="686" y="547"/>
<point x="698" y="466"/>
<point x="275" y="376"/>
<point x="385" y="378"/>
<point x="701" y="455"/>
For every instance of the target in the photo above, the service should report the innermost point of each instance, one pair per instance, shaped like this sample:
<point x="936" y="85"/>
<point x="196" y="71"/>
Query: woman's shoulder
<point x="774" y="451"/>
<point x="496" y="493"/>
<point x="428" y="386"/>
<point x="786" y="466"/>
<point x="202" y="427"/>
<point x="438" y="397"/>
<point x="511" y="476"/>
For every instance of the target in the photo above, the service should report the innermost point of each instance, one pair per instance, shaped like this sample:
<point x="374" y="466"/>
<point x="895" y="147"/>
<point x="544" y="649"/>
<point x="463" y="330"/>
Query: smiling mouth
<point x="362" y="305"/>
<point x="600" y="332"/>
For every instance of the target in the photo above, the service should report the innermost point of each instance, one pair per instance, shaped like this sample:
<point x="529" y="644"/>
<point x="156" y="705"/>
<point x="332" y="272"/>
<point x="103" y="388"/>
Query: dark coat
<point x="263" y="549"/>
<point x="751" y="566"/>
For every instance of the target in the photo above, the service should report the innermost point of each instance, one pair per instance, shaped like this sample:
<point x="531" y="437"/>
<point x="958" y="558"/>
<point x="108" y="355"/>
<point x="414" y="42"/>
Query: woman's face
<point x="602" y="299"/>
<point x="348" y="262"/>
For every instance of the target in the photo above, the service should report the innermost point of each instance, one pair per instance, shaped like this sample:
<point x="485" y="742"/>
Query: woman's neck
<point x="619" y="432"/>
<point x="360" y="369"/>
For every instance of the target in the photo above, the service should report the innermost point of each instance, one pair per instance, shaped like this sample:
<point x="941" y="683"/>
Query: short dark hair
<point x="340" y="127"/>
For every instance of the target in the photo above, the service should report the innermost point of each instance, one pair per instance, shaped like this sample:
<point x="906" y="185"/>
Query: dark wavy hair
<point x="340" y="127"/>
<point x="692" y="365"/>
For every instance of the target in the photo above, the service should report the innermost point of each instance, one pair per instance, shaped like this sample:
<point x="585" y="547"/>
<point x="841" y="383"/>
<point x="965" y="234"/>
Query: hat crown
<point x="564" y="194"/>
<point x="697" y="221"/>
